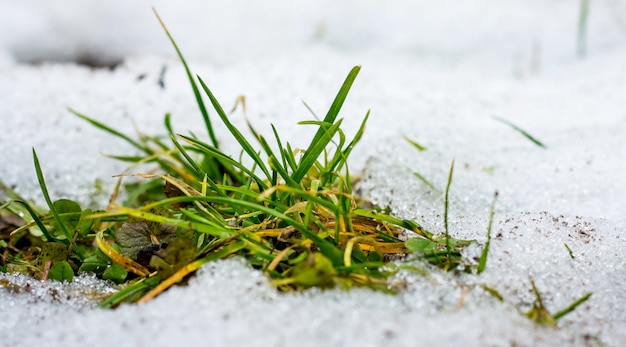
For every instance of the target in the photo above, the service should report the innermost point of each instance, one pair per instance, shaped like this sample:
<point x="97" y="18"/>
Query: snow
<point x="436" y="72"/>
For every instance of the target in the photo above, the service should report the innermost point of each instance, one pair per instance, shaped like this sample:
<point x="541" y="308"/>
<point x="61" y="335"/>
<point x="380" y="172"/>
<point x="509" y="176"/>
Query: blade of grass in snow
<point x="215" y="152"/>
<point x="36" y="219"/>
<point x="111" y="131"/>
<point x="245" y="145"/>
<point x="581" y="42"/>
<point x="569" y="251"/>
<point x="192" y="82"/>
<point x="44" y="191"/>
<point x="414" y="144"/>
<point x="445" y="215"/>
<point x="571" y="307"/>
<point x="313" y="152"/>
<point x="521" y="131"/>
<point x="330" y="118"/>
<point x="426" y="182"/>
<point x="482" y="262"/>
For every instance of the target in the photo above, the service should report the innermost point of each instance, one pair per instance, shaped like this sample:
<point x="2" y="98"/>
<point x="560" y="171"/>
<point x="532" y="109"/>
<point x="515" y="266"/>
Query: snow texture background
<point x="436" y="72"/>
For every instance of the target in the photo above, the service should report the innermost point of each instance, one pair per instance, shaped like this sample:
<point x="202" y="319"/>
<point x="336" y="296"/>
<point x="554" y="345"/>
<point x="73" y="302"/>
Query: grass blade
<point x="314" y="150"/>
<point x="414" y="144"/>
<point x="571" y="307"/>
<point x="36" y="218"/>
<point x="338" y="102"/>
<point x="194" y="86"/>
<point x="482" y="262"/>
<point x="223" y="157"/>
<point x="111" y="131"/>
<point x="247" y="147"/>
<point x="44" y="191"/>
<point x="426" y="182"/>
<point x="327" y="248"/>
<point x="445" y="211"/>
<point x="521" y="131"/>
<point x="330" y="118"/>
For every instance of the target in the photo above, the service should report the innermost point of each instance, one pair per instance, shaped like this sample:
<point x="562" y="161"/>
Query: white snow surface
<point x="436" y="72"/>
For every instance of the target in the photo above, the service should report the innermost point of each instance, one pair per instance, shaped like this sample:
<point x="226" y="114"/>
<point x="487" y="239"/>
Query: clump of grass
<point x="292" y="213"/>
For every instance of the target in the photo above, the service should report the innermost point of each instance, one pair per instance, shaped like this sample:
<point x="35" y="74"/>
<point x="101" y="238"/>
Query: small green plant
<point x="540" y="315"/>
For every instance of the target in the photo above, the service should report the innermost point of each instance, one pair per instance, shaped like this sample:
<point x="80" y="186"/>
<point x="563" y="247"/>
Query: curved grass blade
<point x="116" y="257"/>
<point x="521" y="131"/>
<point x="326" y="247"/>
<point x="221" y="156"/>
<point x="315" y="149"/>
<point x="571" y="307"/>
<point x="44" y="191"/>
<point x="310" y="156"/>
<point x="338" y="102"/>
<point x="482" y="261"/>
<point x="403" y="223"/>
<point x="245" y="145"/>
<point x="414" y="144"/>
<point x="35" y="217"/>
<point x="275" y="164"/>
<point x="130" y="293"/>
<point x="194" y="86"/>
<point x="336" y="166"/>
<point x="445" y="211"/>
<point x="112" y="131"/>
<point x="426" y="182"/>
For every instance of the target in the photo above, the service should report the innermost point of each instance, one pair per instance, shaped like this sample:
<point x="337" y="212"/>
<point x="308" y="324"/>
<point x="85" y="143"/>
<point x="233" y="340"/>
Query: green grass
<point x="521" y="131"/>
<point x="581" y="38"/>
<point x="292" y="213"/>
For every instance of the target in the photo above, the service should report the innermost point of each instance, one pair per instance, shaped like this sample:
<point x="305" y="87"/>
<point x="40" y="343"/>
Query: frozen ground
<point x="435" y="72"/>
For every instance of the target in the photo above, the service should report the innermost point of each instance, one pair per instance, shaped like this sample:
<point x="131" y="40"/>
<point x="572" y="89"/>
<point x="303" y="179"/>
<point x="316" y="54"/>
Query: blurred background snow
<point x="436" y="72"/>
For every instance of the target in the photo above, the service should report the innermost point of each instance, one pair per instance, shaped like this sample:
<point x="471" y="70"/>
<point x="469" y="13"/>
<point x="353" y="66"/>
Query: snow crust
<point x="435" y="72"/>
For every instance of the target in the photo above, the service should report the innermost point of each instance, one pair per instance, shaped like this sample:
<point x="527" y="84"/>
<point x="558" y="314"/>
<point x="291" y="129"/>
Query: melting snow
<point x="435" y="72"/>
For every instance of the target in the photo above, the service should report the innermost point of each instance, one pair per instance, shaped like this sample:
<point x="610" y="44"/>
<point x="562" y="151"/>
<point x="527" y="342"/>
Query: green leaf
<point x="61" y="271"/>
<point x="94" y="264"/>
<point x="316" y="270"/>
<point x="115" y="273"/>
<point x="84" y="225"/>
<point x="52" y="252"/>
<point x="64" y="207"/>
<point x="420" y="245"/>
